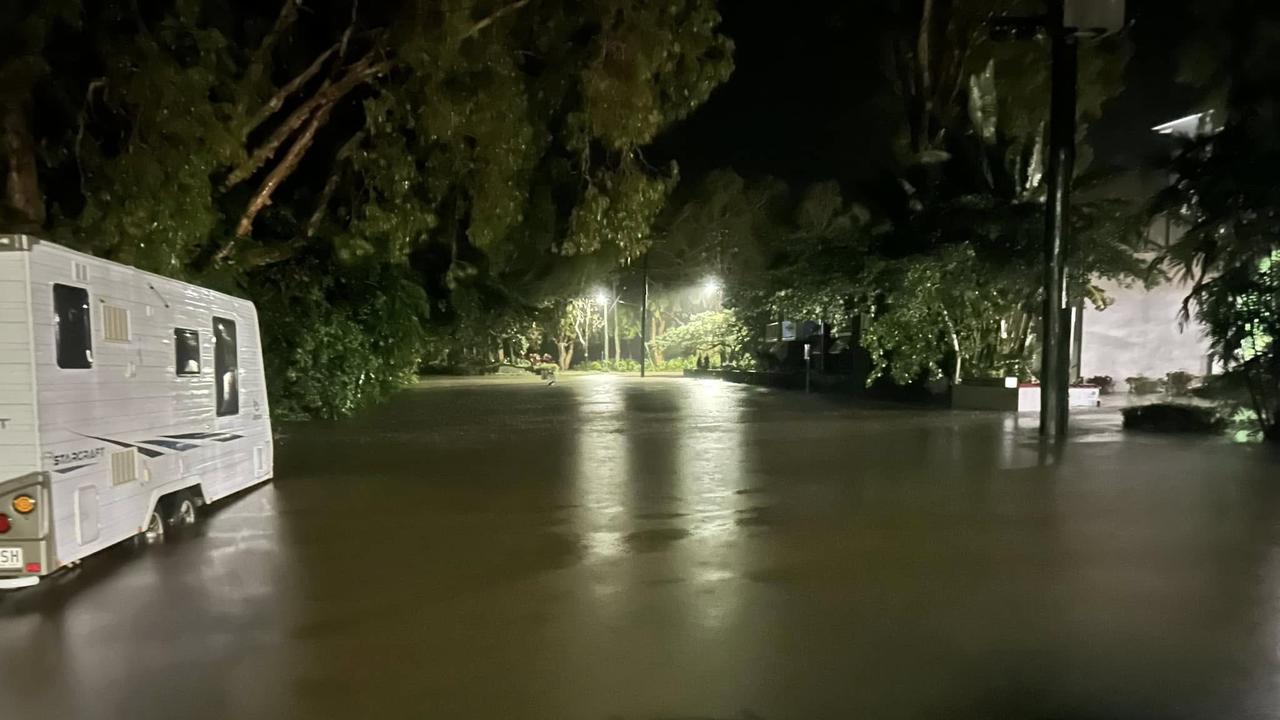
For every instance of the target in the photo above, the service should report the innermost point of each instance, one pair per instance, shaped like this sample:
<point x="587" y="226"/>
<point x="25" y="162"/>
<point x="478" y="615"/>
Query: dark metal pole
<point x="644" y="318"/>
<point x="822" y="346"/>
<point x="1055" y="358"/>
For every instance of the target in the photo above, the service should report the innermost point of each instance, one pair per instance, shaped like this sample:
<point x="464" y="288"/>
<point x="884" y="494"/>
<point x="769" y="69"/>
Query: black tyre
<point x="153" y="533"/>
<point x="178" y="510"/>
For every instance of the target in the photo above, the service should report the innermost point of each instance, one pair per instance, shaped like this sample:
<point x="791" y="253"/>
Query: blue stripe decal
<point x="170" y="444"/>
<point x="73" y="468"/>
<point x="192" y="436"/>
<point x="145" y="451"/>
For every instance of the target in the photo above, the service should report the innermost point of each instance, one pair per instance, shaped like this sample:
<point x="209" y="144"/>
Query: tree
<point x="25" y="29"/>
<point x="571" y="320"/>
<point x="946" y="303"/>
<point x="303" y="152"/>
<point x="954" y="271"/>
<point x="1223" y="196"/>
<point x="711" y="332"/>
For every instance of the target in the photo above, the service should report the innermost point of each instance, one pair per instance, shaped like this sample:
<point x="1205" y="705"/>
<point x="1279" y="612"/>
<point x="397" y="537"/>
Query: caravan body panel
<point x="143" y="386"/>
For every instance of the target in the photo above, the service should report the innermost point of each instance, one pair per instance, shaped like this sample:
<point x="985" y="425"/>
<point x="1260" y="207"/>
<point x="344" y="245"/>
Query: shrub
<point x="1179" y="382"/>
<point x="1173" y="418"/>
<point x="1105" y="383"/>
<point x="1142" y="385"/>
<point x="1229" y="387"/>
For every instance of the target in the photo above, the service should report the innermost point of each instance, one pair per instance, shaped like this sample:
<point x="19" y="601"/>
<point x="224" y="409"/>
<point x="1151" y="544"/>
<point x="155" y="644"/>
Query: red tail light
<point x="33" y="567"/>
<point x="4" y="524"/>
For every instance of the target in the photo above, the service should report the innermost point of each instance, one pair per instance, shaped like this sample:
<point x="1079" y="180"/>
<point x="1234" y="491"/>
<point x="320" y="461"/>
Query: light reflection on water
<point x="616" y="548"/>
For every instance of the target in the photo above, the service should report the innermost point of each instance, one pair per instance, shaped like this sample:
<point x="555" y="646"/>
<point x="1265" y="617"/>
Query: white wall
<point x="1139" y="335"/>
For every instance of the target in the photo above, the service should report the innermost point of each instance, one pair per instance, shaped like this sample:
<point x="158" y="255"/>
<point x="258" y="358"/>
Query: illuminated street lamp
<point x="711" y="285"/>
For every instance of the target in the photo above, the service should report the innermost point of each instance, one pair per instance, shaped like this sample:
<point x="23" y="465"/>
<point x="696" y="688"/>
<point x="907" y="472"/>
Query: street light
<point x="1066" y="22"/>
<point x="1094" y="17"/>
<point x="711" y="285"/>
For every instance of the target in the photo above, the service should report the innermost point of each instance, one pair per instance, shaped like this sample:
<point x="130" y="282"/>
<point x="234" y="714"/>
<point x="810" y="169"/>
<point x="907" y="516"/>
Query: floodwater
<point x="611" y="548"/>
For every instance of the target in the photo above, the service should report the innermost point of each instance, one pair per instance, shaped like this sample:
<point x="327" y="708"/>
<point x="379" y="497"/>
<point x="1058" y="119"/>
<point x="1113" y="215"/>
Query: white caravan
<point x="127" y="400"/>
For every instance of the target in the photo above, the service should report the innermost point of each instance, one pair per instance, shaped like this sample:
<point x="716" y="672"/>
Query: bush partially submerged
<point x="1173" y="418"/>
<point x="1142" y="385"/>
<point x="1105" y="383"/>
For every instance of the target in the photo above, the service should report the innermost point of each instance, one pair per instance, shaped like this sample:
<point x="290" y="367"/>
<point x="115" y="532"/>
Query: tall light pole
<point x="1066" y="21"/>
<point x="644" y="316"/>
<point x="1054" y="360"/>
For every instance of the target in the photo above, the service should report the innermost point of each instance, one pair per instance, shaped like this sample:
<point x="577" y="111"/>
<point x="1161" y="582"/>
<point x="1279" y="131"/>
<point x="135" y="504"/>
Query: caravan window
<point x="226" y="366"/>
<point x="186" y="351"/>
<point x="71" y="329"/>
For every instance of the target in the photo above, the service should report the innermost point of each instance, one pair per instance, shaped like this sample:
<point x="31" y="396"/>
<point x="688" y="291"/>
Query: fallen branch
<point x="358" y="73"/>
<point x="330" y="185"/>
<point x="96" y="84"/>
<point x="273" y="105"/>
<point x="277" y="101"/>
<point x="262" y="198"/>
<point x="497" y="14"/>
<point x="257" y="67"/>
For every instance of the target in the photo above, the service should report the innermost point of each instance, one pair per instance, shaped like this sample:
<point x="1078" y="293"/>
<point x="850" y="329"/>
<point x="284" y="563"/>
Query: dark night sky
<point x="1151" y="95"/>
<point x="799" y="104"/>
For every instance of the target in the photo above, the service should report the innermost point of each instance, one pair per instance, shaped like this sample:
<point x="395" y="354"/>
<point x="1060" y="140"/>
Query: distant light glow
<point x="711" y="285"/>
<point x="602" y="297"/>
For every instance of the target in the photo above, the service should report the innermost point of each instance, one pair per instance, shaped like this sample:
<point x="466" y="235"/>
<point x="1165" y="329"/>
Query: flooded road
<point x="616" y="549"/>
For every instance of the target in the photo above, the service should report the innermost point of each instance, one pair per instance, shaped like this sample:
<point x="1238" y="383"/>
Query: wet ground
<point x="612" y="548"/>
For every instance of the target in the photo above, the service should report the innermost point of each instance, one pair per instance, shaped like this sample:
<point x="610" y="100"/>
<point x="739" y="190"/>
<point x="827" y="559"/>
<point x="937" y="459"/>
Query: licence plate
<point x="10" y="558"/>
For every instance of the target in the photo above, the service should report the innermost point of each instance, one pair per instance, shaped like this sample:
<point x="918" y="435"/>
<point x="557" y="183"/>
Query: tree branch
<point x="922" y="50"/>
<point x="96" y="84"/>
<point x="357" y="73"/>
<point x="291" y="87"/>
<point x="20" y="184"/>
<point x="262" y="198"/>
<point x="491" y="19"/>
<point x="330" y="185"/>
<point x="924" y="73"/>
<point x="257" y="67"/>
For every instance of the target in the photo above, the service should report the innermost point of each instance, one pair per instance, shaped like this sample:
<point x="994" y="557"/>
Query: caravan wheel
<point x="178" y="511"/>
<point x="154" y="532"/>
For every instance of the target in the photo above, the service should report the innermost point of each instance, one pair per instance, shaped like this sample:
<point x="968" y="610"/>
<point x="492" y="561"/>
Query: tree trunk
<point x="617" y="336"/>
<point x="564" y="350"/>
<point x="955" y="345"/>
<point x="21" y="184"/>
<point x="656" y="328"/>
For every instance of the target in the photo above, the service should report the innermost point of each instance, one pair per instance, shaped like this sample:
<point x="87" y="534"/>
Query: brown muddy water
<point x="612" y="548"/>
